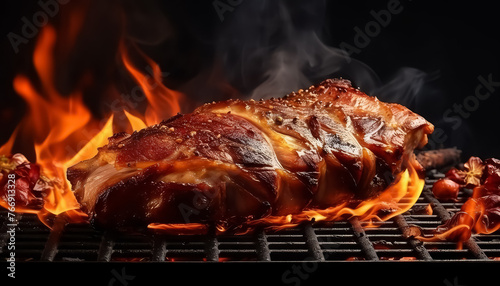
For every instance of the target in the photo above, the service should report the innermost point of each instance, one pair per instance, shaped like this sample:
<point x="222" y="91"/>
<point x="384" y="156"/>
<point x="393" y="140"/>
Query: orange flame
<point x="135" y="122"/>
<point x="62" y="128"/>
<point x="7" y="147"/>
<point x="180" y="228"/>
<point x="396" y="199"/>
<point x="163" y="102"/>
<point x="480" y="213"/>
<point x="472" y="218"/>
<point x="54" y="122"/>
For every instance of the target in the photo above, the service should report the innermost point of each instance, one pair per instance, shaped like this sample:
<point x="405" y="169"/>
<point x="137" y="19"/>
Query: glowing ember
<point x="180" y="229"/>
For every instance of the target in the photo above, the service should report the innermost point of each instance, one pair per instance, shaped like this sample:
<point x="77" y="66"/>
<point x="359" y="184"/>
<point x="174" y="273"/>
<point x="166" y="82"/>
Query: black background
<point x="451" y="43"/>
<point x="264" y="273"/>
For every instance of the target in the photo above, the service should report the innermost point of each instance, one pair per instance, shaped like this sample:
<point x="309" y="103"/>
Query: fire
<point x="135" y="122"/>
<point x="63" y="130"/>
<point x="480" y="213"/>
<point x="163" y="102"/>
<point x="7" y="147"/>
<point x="180" y="228"/>
<point x="396" y="199"/>
<point x="54" y="123"/>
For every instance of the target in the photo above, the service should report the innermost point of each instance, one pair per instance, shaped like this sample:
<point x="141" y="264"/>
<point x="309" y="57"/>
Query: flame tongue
<point x="397" y="198"/>
<point x="54" y="123"/>
<point x="481" y="212"/>
<point x="62" y="128"/>
<point x="163" y="102"/>
<point x="180" y="229"/>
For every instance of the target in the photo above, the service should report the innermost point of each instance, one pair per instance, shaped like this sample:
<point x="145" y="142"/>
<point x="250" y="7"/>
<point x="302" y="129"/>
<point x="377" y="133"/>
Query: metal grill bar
<point x="212" y="246"/>
<point x="417" y="245"/>
<point x="437" y="207"/>
<point x="313" y="246"/>
<point x="262" y="246"/>
<point x="475" y="249"/>
<point x="445" y="215"/>
<point x="51" y="247"/>
<point x="363" y="240"/>
<point x="159" y="248"/>
<point x="106" y="247"/>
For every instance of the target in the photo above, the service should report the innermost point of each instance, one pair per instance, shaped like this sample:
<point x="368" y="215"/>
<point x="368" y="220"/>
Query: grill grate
<point x="324" y="241"/>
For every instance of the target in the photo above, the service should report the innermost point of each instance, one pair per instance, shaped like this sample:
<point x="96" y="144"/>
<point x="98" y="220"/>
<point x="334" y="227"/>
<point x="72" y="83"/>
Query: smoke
<point x="306" y="61"/>
<point x="407" y="87"/>
<point x="262" y="49"/>
<point x="271" y="48"/>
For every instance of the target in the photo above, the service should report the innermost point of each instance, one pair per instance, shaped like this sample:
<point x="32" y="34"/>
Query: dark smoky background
<point x="431" y="56"/>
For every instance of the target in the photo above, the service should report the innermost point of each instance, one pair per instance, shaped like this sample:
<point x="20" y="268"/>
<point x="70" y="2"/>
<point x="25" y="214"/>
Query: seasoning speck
<point x="279" y="120"/>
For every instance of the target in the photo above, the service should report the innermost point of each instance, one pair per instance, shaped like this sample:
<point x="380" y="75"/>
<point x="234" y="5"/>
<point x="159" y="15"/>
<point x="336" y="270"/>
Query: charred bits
<point x="314" y="126"/>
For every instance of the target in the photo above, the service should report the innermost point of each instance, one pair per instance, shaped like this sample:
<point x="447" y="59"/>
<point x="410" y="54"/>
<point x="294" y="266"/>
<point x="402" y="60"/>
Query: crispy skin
<point x="235" y="161"/>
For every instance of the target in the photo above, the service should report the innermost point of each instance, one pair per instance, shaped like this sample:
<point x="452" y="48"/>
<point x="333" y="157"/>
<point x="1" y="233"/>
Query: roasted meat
<point x="235" y="161"/>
